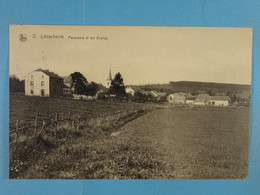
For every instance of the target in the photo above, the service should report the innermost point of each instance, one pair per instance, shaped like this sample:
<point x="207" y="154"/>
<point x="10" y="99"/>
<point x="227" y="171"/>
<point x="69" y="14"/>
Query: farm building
<point x="157" y="95"/>
<point x="68" y="89"/>
<point x="190" y="100"/>
<point x="145" y="92"/>
<point x="202" y="99"/>
<point x="219" y="100"/>
<point x="130" y="90"/>
<point x="43" y="83"/>
<point x="179" y="98"/>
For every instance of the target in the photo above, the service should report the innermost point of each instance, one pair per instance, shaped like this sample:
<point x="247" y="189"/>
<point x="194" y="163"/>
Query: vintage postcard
<point x="114" y="102"/>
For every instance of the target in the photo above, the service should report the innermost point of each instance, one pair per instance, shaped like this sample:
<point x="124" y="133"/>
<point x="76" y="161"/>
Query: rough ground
<point x="192" y="143"/>
<point x="166" y="143"/>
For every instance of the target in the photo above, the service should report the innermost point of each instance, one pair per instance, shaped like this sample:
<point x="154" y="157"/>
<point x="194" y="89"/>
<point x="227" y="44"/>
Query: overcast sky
<point x="142" y="55"/>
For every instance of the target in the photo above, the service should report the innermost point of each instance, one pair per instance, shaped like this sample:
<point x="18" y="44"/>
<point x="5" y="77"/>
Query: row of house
<point x="200" y="99"/>
<point x="183" y="98"/>
<point x="45" y="83"/>
<point x="155" y="94"/>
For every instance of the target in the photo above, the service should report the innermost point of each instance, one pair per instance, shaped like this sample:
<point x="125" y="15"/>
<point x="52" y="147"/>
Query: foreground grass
<point x="48" y="156"/>
<point x="171" y="143"/>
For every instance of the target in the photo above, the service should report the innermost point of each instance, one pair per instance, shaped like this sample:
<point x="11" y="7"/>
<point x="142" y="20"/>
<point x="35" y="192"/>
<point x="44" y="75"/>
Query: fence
<point x="27" y="131"/>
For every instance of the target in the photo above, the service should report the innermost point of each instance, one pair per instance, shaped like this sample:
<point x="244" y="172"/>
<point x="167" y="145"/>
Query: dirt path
<point x="157" y="130"/>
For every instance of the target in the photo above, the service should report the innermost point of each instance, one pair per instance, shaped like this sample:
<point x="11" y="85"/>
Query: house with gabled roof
<point x="176" y="98"/>
<point x="68" y="88"/>
<point x="202" y="99"/>
<point x="43" y="83"/>
<point x="130" y="90"/>
<point x="219" y="100"/>
<point x="157" y="95"/>
<point x="190" y="99"/>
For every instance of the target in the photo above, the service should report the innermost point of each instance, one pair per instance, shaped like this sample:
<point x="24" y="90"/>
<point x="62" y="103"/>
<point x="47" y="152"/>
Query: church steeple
<point x="109" y="79"/>
<point x="109" y="75"/>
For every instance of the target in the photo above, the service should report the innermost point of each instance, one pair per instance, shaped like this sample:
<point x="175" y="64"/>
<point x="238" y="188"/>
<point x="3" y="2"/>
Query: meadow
<point x="166" y="143"/>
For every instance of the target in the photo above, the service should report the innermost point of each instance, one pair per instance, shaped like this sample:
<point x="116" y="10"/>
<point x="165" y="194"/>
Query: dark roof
<point x="191" y="98"/>
<point x="65" y="86"/>
<point x="50" y="74"/>
<point x="179" y="94"/>
<point x="203" y="95"/>
<point x="202" y="98"/>
<point x="67" y="79"/>
<point x="227" y="98"/>
<point x="178" y="98"/>
<point x="101" y="87"/>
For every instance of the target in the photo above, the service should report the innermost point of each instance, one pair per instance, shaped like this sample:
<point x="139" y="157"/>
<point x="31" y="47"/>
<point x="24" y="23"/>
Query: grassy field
<point x="94" y="126"/>
<point x="25" y="108"/>
<point x="183" y="143"/>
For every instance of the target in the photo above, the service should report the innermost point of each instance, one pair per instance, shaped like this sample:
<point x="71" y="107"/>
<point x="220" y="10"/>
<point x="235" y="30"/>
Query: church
<point x="109" y="80"/>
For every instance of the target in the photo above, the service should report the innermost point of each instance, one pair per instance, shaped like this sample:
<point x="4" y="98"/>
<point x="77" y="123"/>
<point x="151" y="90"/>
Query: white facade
<point x="199" y="103"/>
<point x="37" y="84"/>
<point x="109" y="80"/>
<point x="219" y="102"/>
<point x="108" y="83"/>
<point x="189" y="101"/>
<point x="130" y="90"/>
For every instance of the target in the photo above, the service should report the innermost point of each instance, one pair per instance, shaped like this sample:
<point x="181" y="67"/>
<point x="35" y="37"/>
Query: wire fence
<point x="24" y="131"/>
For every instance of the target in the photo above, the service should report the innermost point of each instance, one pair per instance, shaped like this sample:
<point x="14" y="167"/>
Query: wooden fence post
<point x="56" y="124"/>
<point x="42" y="129"/>
<point x="35" y="124"/>
<point x="69" y="120"/>
<point x="78" y="122"/>
<point x="16" y="130"/>
<point x="26" y="131"/>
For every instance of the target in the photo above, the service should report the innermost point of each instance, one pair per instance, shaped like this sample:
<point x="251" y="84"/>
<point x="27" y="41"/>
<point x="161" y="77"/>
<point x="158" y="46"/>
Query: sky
<point x="143" y="55"/>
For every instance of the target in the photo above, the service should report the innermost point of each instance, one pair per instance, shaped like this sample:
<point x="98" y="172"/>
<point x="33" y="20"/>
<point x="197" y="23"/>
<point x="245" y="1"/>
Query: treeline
<point x="16" y="85"/>
<point x="214" y="88"/>
<point x="194" y="88"/>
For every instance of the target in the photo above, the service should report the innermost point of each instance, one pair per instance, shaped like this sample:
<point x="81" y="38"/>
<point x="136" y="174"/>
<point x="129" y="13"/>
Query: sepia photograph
<point x="129" y="102"/>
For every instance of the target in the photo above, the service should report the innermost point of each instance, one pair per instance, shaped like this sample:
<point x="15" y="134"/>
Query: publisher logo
<point x="23" y="37"/>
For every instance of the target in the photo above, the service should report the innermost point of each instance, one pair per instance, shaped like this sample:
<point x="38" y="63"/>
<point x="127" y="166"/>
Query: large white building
<point x="43" y="83"/>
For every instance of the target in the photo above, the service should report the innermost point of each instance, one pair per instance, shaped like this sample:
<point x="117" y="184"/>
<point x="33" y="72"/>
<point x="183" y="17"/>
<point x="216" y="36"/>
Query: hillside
<point x="242" y="91"/>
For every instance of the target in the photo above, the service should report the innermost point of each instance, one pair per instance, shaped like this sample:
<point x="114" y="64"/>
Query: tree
<point x="228" y="93"/>
<point x="16" y="85"/>
<point x="234" y="98"/>
<point x="139" y="97"/>
<point x="117" y="86"/>
<point x="92" y="89"/>
<point x="79" y="82"/>
<point x="210" y="92"/>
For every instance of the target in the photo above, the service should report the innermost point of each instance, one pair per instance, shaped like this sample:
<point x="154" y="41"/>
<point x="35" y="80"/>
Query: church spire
<point x="109" y="79"/>
<point x="109" y="75"/>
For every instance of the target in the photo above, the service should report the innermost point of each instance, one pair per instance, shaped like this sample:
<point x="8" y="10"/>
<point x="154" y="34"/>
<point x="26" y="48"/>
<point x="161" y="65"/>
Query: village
<point x="45" y="83"/>
<point x="59" y="119"/>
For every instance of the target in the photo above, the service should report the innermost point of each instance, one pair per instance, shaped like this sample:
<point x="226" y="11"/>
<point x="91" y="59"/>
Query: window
<point x="32" y="92"/>
<point x="32" y="83"/>
<point x="42" y="92"/>
<point x="42" y="76"/>
<point x="31" y="76"/>
<point x="42" y="83"/>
